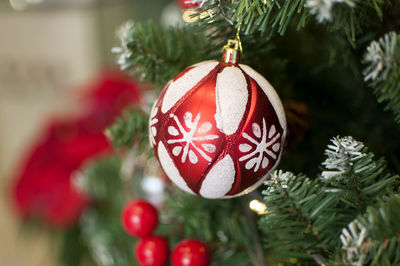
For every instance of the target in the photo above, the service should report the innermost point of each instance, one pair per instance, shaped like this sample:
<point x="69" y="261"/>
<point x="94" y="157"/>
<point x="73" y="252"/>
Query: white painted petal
<point x="272" y="131"/>
<point x="170" y="169"/>
<point x="219" y="180"/>
<point x="205" y="127"/>
<point x="209" y="147"/>
<point x="276" y="147"/>
<point x="231" y="99"/>
<point x="176" y="150"/>
<point x="154" y="131"/>
<point x="173" y="131"/>
<point x="258" y="183"/>
<point x="251" y="188"/>
<point x="251" y="163"/>
<point x="256" y="130"/>
<point x="203" y="63"/>
<point x="265" y="163"/>
<point x="271" y="94"/>
<point x="187" y="117"/>
<point x="244" y="147"/>
<point x="192" y="157"/>
<point x="153" y="121"/>
<point x="178" y="88"/>
<point x="153" y="112"/>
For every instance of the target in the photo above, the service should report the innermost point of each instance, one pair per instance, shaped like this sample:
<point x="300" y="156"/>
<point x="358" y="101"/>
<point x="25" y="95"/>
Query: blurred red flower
<point x="43" y="189"/>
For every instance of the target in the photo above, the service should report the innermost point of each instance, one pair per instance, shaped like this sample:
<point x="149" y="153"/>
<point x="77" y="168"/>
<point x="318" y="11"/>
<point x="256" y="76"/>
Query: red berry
<point x="152" y="251"/>
<point x="139" y="218"/>
<point x="190" y="252"/>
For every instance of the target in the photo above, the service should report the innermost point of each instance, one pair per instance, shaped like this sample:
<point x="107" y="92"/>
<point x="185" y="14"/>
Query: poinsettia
<point x="43" y="188"/>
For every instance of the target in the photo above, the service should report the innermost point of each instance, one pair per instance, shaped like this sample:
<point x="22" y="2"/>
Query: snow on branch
<point x="352" y="238"/>
<point x="372" y="238"/>
<point x="323" y="8"/>
<point x="278" y="180"/>
<point x="123" y="51"/>
<point x="380" y="57"/>
<point x="341" y="154"/>
<point x="383" y="71"/>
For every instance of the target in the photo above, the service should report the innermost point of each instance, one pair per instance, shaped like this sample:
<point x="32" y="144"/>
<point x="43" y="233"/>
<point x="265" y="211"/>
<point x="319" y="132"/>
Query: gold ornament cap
<point x="231" y="52"/>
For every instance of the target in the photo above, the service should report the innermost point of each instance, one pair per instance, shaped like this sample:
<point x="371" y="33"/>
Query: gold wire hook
<point x="238" y="37"/>
<point x="237" y="44"/>
<point x="233" y="49"/>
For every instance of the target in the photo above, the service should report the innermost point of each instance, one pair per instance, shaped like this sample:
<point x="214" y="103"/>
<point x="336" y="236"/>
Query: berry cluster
<point x="140" y="219"/>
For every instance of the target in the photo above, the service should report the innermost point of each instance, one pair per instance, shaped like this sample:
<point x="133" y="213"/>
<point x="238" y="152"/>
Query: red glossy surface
<point x="152" y="251"/>
<point x="139" y="218"/>
<point x="190" y="252"/>
<point x="201" y="101"/>
<point x="185" y="4"/>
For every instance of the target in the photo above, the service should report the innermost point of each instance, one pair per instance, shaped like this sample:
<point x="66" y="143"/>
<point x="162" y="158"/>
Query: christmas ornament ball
<point x="185" y="4"/>
<point x="152" y="251"/>
<point x="218" y="129"/>
<point x="139" y="218"/>
<point x="190" y="252"/>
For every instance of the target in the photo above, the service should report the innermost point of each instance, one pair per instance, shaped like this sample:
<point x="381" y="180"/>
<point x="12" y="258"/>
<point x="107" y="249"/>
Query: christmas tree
<point x="334" y="197"/>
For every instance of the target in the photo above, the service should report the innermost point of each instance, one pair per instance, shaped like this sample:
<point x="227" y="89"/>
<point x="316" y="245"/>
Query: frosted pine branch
<point x="383" y="70"/>
<point x="353" y="238"/>
<point x="278" y="180"/>
<point x="341" y="154"/>
<point x="323" y="8"/>
<point x="125" y="38"/>
<point x="379" y="57"/>
<point x="373" y="238"/>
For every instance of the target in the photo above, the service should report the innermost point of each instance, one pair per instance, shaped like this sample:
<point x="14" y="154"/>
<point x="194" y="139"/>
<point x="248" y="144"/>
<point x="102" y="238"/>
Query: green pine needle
<point x="307" y="216"/>
<point x="129" y="129"/>
<point x="156" y="54"/>
<point x="383" y="71"/>
<point x="373" y="238"/>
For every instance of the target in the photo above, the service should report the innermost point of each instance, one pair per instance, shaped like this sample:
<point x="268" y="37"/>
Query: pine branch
<point x="108" y="243"/>
<point x="355" y="179"/>
<point x="102" y="179"/>
<point x="300" y="222"/>
<point x="130" y="128"/>
<point x="287" y="225"/>
<point x="373" y="238"/>
<point x="383" y="71"/>
<point x="158" y="55"/>
<point x="101" y="228"/>
<point x="351" y="17"/>
<point x="221" y="224"/>
<point x="268" y="17"/>
<point x="74" y="249"/>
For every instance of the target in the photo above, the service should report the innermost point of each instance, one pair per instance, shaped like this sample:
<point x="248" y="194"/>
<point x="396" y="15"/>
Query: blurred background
<point x="49" y="51"/>
<point x="60" y="89"/>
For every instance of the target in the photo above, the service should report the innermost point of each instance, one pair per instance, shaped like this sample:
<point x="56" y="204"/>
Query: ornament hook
<point x="233" y="49"/>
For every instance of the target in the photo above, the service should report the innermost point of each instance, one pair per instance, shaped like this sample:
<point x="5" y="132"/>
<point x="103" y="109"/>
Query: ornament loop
<point x="232" y="50"/>
<point x="231" y="53"/>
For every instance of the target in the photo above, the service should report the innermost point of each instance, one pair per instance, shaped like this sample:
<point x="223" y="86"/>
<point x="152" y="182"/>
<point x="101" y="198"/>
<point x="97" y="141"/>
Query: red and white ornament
<point x="218" y="128"/>
<point x="185" y="4"/>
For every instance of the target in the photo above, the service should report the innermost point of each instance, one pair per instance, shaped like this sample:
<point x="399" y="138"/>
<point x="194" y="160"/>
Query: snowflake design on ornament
<point x="189" y="139"/>
<point x="256" y="157"/>
<point x="153" y="129"/>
